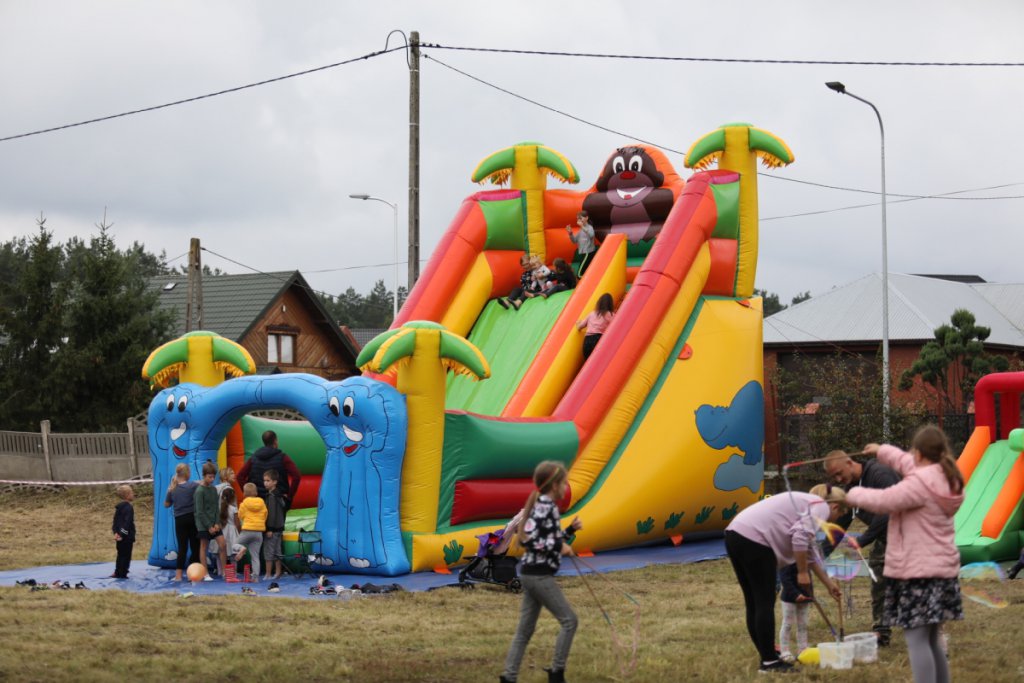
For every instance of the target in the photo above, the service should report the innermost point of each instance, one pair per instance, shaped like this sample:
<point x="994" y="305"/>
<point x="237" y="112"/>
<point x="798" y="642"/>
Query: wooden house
<point x="276" y="316"/>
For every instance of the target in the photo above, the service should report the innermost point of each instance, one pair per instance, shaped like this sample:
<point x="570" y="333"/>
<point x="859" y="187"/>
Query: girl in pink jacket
<point x="921" y="560"/>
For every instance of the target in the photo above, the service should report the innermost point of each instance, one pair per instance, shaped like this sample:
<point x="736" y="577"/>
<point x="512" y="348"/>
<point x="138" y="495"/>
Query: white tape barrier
<point x="147" y="480"/>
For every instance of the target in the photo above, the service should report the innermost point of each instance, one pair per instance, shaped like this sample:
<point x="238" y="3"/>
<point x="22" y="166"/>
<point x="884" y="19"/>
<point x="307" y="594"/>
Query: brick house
<point x="848" y="318"/>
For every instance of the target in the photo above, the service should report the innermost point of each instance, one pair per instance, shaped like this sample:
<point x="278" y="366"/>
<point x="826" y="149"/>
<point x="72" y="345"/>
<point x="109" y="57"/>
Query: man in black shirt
<point x="843" y="470"/>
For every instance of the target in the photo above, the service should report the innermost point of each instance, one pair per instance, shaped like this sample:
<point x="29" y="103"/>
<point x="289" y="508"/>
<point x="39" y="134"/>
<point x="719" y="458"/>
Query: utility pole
<point x="194" y="305"/>
<point x="414" y="159"/>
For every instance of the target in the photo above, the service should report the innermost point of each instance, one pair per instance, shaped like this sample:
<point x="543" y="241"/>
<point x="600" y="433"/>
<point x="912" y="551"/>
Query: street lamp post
<point x="841" y="89"/>
<point x="394" y="208"/>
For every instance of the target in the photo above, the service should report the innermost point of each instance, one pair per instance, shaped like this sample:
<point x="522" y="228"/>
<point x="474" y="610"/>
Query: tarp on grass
<point x="144" y="578"/>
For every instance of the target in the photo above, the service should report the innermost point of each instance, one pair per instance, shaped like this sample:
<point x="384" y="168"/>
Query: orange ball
<point x="195" y="572"/>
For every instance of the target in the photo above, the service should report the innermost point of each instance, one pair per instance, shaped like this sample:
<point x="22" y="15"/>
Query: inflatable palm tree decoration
<point x="199" y="357"/>
<point x="737" y="147"/>
<point x="527" y="165"/>
<point x="420" y="353"/>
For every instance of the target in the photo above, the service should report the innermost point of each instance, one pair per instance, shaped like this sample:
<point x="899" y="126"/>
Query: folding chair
<point x="310" y="551"/>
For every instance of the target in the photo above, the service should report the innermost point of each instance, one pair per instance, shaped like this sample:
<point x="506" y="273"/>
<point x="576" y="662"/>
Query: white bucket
<point x="867" y="647"/>
<point x="836" y="655"/>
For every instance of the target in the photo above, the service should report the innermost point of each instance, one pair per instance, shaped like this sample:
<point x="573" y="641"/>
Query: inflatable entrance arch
<point x="363" y="425"/>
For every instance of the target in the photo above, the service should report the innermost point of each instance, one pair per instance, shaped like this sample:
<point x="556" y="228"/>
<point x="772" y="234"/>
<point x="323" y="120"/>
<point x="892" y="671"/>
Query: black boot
<point x="1012" y="574"/>
<point x="555" y="675"/>
<point x="502" y="679"/>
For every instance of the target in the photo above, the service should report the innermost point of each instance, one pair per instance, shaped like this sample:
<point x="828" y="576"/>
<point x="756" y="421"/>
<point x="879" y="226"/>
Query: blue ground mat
<point x="146" y="579"/>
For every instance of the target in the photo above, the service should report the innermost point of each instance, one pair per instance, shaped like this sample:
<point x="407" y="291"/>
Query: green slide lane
<point x="980" y="493"/>
<point x="510" y="340"/>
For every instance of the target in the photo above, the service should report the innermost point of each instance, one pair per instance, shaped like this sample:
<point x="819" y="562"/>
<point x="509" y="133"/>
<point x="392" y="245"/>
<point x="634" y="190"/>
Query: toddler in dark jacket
<point x="124" y="531"/>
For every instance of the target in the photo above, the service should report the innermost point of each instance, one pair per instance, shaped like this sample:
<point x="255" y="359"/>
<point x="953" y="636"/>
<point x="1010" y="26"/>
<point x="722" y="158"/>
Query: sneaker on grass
<point x="776" y="667"/>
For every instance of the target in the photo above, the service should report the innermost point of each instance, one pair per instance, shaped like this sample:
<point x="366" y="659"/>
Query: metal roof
<point x="917" y="305"/>
<point x="363" y="335"/>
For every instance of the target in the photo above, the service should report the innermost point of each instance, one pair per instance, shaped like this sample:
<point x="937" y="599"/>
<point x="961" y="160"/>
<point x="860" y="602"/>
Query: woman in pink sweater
<point x="921" y="560"/>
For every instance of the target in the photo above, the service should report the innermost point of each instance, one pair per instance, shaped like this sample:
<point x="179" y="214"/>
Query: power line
<point x="179" y="256"/>
<point x="944" y="195"/>
<point x="908" y="197"/>
<point x="551" y="109"/>
<point x="721" y="60"/>
<point x="276" y="79"/>
<point x="283" y="281"/>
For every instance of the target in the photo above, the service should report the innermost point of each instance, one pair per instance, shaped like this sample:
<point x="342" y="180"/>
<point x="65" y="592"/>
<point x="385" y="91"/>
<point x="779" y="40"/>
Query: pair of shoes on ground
<point x="248" y="591"/>
<point x="274" y="588"/>
<point x="776" y="667"/>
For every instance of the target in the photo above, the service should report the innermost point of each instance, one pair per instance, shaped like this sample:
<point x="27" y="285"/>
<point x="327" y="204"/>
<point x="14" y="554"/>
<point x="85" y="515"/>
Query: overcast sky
<point x="263" y="175"/>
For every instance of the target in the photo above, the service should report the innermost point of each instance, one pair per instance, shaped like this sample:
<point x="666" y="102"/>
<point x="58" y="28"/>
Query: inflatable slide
<point x="990" y="523"/>
<point x="662" y="428"/>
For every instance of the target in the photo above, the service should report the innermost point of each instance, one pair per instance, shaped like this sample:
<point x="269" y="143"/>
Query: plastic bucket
<point x="837" y="655"/>
<point x="867" y="647"/>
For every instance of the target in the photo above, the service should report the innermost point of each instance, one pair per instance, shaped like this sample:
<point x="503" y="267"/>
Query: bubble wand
<point x="627" y="667"/>
<point x="824" y="616"/>
<point x="789" y="489"/>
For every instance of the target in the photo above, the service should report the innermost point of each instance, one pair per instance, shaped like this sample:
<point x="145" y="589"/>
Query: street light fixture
<point x="841" y="89"/>
<point x="394" y="207"/>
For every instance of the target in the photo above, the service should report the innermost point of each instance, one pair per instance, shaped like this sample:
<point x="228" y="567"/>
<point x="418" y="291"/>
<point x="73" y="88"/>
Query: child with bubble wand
<point x="922" y="562"/>
<point x="767" y="536"/>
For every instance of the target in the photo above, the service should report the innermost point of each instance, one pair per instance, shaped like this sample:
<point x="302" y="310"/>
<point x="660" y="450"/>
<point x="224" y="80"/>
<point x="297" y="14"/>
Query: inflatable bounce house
<point x="990" y="523"/>
<point x="662" y="428"/>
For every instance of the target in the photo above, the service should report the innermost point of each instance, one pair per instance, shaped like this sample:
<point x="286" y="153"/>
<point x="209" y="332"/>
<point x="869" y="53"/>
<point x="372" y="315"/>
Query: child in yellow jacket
<point x="252" y="514"/>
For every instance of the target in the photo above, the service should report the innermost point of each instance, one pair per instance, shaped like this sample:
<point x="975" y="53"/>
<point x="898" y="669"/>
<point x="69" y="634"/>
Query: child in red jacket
<point x="922" y="562"/>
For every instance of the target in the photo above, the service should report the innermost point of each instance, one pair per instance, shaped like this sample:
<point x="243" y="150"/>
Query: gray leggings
<point x="541" y="591"/>
<point x="253" y="541"/>
<point x="927" y="660"/>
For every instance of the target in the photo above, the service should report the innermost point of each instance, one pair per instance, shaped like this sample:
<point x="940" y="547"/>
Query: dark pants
<point x="589" y="344"/>
<point x="876" y="560"/>
<point x="755" y="568"/>
<point x="124" y="558"/>
<point x="188" y="538"/>
<point x="585" y="263"/>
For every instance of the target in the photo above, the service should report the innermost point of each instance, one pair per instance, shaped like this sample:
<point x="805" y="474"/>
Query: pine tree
<point x="32" y="301"/>
<point x="954" y="361"/>
<point x="112" y="323"/>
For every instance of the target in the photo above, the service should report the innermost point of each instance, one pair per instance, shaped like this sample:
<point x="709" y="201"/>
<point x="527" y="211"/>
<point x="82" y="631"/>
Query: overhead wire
<point x="666" y="148"/>
<point x="285" y="281"/>
<point x="722" y="60"/>
<point x="187" y="100"/>
<point x="387" y="49"/>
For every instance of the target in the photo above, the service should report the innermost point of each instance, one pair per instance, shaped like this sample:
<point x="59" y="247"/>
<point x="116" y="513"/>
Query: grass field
<point x="691" y="626"/>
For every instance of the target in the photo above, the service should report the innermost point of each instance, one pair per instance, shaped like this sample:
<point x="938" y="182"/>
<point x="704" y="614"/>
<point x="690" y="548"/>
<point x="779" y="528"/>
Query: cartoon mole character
<point x="630" y="198"/>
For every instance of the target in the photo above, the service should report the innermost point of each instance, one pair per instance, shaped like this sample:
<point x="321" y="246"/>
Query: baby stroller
<point x="492" y="565"/>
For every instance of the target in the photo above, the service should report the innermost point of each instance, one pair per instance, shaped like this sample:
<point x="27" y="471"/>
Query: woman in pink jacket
<point x="921" y="561"/>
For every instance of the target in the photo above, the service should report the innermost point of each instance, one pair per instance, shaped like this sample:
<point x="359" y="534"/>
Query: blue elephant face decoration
<point x="174" y="422"/>
<point x="361" y="417"/>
